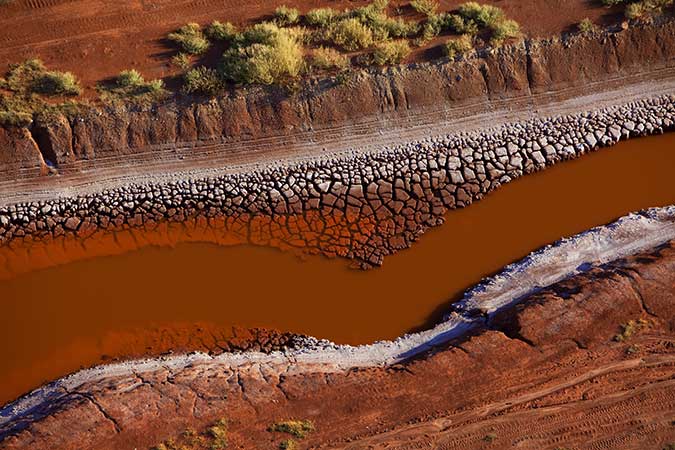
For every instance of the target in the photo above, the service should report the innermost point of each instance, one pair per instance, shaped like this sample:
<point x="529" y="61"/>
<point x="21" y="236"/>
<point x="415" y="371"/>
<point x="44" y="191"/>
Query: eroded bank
<point x="181" y="292"/>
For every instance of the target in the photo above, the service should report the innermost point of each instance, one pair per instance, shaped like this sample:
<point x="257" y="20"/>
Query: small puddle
<point x="136" y="293"/>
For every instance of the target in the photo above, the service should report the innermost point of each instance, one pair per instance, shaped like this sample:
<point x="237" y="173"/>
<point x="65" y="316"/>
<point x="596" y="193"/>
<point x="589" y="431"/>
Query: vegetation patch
<point x="297" y="428"/>
<point x="326" y="58"/>
<point x="458" y="46"/>
<point x="393" y="52"/>
<point x="190" y="39"/>
<point x="587" y="26"/>
<point x="288" y="444"/>
<point x="426" y="7"/>
<point x="631" y="328"/>
<point x="131" y="86"/>
<point x="203" y="81"/>
<point x="641" y="9"/>
<point x="322" y="17"/>
<point x="213" y="438"/>
<point x="218" y="31"/>
<point x="30" y="89"/>
<point x="285" y="16"/>
<point x="351" y="34"/>
<point x="265" y="54"/>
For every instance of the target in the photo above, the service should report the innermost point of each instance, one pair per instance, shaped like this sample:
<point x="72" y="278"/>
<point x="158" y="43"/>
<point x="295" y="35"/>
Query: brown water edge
<point x="182" y="296"/>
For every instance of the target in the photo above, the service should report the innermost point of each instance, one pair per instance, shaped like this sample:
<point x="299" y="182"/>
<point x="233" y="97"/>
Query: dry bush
<point x="351" y="34"/>
<point x="327" y="58"/>
<point x="218" y="31"/>
<point x="322" y="17"/>
<point x="202" y="80"/>
<point x="426" y="7"/>
<point x="285" y="16"/>
<point x="504" y="30"/>
<point x="586" y="26"/>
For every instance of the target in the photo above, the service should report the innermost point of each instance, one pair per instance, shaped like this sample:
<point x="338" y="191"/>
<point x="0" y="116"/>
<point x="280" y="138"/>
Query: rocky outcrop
<point x="552" y="346"/>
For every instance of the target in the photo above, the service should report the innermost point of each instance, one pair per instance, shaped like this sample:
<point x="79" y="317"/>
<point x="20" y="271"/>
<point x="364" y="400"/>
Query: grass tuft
<point x="587" y="26"/>
<point x="131" y="86"/>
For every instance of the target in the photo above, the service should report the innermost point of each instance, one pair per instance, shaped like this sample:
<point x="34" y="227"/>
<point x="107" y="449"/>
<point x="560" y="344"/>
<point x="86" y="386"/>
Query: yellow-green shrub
<point x="221" y="31"/>
<point x="328" y="58"/>
<point x="202" y="80"/>
<point x="285" y="16"/>
<point x="393" y="52"/>
<point x="322" y="17"/>
<point x="351" y="34"/>
<point x="190" y="39"/>
<point x="426" y="7"/>
<point x="458" y="46"/>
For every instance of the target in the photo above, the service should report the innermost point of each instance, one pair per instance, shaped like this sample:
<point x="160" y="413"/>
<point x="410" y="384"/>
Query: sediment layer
<point x="361" y="207"/>
<point x="569" y="297"/>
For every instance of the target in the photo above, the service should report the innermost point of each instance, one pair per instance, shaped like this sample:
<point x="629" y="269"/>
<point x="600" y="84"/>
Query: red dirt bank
<point x="545" y="374"/>
<point x="97" y="39"/>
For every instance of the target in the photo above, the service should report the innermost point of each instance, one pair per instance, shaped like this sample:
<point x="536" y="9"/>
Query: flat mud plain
<point x="184" y="287"/>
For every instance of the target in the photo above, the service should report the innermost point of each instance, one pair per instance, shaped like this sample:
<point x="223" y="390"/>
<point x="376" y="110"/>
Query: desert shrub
<point x="490" y="437"/>
<point x="351" y="34"/>
<point x="483" y="15"/>
<point x="503" y="30"/>
<point x="218" y="31"/>
<point x="630" y="328"/>
<point x="285" y="16"/>
<point x="328" y="58"/>
<point x="31" y="76"/>
<point x="460" y="25"/>
<point x="399" y="28"/>
<point x="322" y="17"/>
<point x="635" y="11"/>
<point x="288" y="444"/>
<point x="182" y="60"/>
<point x="268" y="56"/>
<point x="190" y="39"/>
<point x="586" y="26"/>
<point x="393" y="52"/>
<point x="218" y="433"/>
<point x="202" y="80"/>
<point x="613" y="2"/>
<point x="57" y="83"/>
<point x="15" y="112"/>
<point x="297" y="428"/>
<point x="458" y="46"/>
<point x="426" y="7"/>
<point x="130" y="85"/>
<point x="260" y="33"/>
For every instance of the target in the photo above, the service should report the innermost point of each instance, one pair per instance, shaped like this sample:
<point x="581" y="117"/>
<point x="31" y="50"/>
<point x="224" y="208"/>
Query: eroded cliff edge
<point x="340" y="110"/>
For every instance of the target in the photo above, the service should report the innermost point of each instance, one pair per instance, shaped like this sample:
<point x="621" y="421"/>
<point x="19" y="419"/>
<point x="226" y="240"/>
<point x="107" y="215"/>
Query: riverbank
<point x="117" y="385"/>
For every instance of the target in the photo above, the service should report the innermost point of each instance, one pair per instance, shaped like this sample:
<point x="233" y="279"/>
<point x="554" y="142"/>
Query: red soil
<point x="96" y="39"/>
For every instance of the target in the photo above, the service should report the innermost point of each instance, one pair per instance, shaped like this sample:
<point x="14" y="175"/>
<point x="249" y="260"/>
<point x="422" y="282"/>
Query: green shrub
<point x="260" y="33"/>
<point x="483" y="15"/>
<point x="459" y="46"/>
<point x="457" y="24"/>
<point x="426" y="7"/>
<point x="586" y="26"/>
<point x="190" y="39"/>
<point x="278" y="58"/>
<point x="182" y="60"/>
<point x="130" y="85"/>
<point x="15" y="112"/>
<point x="391" y="52"/>
<point x="399" y="28"/>
<point x="202" y="80"/>
<point x="218" y="31"/>
<point x="328" y="58"/>
<point x="503" y="30"/>
<point x="57" y="83"/>
<point x="285" y="16"/>
<point x="297" y="428"/>
<point x="372" y="13"/>
<point x="31" y="77"/>
<point x="351" y="34"/>
<point x="322" y="17"/>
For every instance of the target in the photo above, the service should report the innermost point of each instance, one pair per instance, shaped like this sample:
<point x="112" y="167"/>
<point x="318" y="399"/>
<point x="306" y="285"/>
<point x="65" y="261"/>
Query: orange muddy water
<point x="72" y="304"/>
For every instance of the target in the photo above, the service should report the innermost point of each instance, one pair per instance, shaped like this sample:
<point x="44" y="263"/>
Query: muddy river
<point x="74" y="304"/>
